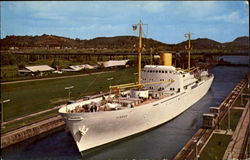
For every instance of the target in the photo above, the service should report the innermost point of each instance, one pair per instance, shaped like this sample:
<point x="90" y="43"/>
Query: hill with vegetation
<point x="48" y="41"/>
<point x="118" y="42"/>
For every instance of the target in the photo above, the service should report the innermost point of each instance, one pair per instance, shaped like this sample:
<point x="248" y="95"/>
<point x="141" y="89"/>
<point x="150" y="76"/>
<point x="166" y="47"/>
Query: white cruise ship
<point x="161" y="93"/>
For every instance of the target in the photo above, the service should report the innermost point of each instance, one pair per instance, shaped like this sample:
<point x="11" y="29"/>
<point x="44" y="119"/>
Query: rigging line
<point x="92" y="82"/>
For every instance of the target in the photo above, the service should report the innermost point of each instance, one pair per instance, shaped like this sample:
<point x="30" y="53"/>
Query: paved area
<point x="238" y="108"/>
<point x="32" y="115"/>
<point x="236" y="147"/>
<point x="224" y="132"/>
<point x="62" y="77"/>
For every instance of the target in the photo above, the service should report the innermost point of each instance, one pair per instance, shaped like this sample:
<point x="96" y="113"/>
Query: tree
<point x="55" y="63"/>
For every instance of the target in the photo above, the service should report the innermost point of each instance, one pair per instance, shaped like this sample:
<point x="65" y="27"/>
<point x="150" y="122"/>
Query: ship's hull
<point x="98" y="128"/>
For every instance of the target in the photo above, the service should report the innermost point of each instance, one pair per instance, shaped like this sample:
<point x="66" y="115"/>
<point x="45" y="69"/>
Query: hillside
<point x="56" y="41"/>
<point x="123" y="42"/>
<point x="240" y="41"/>
<point x="201" y="43"/>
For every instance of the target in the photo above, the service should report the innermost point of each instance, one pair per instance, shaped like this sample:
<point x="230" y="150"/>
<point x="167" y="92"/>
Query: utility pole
<point x="229" y="125"/>
<point x="68" y="88"/>
<point x="197" y="142"/>
<point x="109" y="79"/>
<point x="151" y="58"/>
<point x="188" y="35"/>
<point x="2" y="102"/>
<point x="241" y="97"/>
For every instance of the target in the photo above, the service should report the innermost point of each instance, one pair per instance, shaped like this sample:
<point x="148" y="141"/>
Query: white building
<point x="77" y="68"/>
<point x="113" y="63"/>
<point x="35" y="69"/>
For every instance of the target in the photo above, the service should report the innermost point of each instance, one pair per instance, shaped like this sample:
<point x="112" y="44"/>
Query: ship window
<point x="173" y="89"/>
<point x="156" y="71"/>
<point x="166" y="71"/>
<point x="183" y="75"/>
<point x="153" y="71"/>
<point x="170" y="72"/>
<point x="150" y="71"/>
<point x="179" y="89"/>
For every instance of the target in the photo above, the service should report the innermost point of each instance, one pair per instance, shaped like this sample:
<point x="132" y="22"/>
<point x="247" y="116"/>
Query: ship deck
<point x="121" y="102"/>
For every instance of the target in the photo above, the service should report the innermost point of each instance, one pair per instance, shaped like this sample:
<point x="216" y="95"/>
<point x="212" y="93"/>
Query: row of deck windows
<point x="144" y="79"/>
<point x="156" y="71"/>
<point x="162" y="88"/>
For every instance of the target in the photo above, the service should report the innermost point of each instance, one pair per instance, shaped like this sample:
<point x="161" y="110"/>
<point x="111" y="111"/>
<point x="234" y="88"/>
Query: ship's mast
<point x="188" y="35"/>
<point x="139" y="52"/>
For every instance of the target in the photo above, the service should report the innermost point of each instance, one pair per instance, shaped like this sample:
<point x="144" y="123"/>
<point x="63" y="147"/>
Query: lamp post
<point x="197" y="142"/>
<point x="228" y="120"/>
<point x="109" y="79"/>
<point x="135" y="74"/>
<point x="68" y="88"/>
<point x="2" y="102"/>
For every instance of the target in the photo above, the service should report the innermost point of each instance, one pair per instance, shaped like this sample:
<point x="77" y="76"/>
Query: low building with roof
<point x="113" y="63"/>
<point x="41" y="69"/>
<point x="77" y="68"/>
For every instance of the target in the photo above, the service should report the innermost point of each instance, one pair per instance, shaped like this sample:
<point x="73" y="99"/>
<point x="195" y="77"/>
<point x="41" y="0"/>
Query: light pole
<point x="2" y="102"/>
<point x="197" y="142"/>
<point x="135" y="74"/>
<point x="241" y="97"/>
<point x="68" y="88"/>
<point x="229" y="121"/>
<point x="109" y="79"/>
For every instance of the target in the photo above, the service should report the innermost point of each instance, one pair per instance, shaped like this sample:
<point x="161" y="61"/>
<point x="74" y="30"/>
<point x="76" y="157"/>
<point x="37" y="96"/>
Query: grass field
<point x="30" y="97"/>
<point x="216" y="147"/>
<point x="234" y="119"/>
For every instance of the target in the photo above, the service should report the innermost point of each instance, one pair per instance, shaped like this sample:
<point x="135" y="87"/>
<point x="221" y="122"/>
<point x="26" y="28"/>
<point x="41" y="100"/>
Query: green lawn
<point x="216" y="147"/>
<point x="30" y="97"/>
<point x="238" y="103"/>
<point x="234" y="117"/>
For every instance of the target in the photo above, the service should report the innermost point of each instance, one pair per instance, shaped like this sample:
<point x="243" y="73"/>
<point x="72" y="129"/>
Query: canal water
<point x="162" y="142"/>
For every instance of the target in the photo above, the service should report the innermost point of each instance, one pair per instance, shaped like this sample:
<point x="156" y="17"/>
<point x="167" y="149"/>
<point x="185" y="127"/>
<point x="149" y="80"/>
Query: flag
<point x="134" y="27"/>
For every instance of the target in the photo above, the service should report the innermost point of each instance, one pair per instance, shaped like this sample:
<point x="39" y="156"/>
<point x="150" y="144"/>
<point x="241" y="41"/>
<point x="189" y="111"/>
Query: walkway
<point x="236" y="148"/>
<point x="32" y="115"/>
<point x="51" y="78"/>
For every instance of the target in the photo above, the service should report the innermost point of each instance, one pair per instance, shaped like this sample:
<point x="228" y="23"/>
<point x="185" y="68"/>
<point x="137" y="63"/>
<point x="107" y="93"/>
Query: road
<point x="51" y="78"/>
<point x="32" y="115"/>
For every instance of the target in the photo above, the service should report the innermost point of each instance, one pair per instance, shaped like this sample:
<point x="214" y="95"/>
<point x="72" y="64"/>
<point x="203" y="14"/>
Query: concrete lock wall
<point x="26" y="132"/>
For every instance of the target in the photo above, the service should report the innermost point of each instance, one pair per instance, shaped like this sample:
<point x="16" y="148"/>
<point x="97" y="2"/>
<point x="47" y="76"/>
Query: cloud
<point x="154" y="6"/>
<point x="233" y="17"/>
<point x="246" y="2"/>
<point x="196" y="8"/>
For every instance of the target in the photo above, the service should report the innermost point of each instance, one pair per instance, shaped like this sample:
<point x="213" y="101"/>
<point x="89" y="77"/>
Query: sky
<point x="167" y="21"/>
